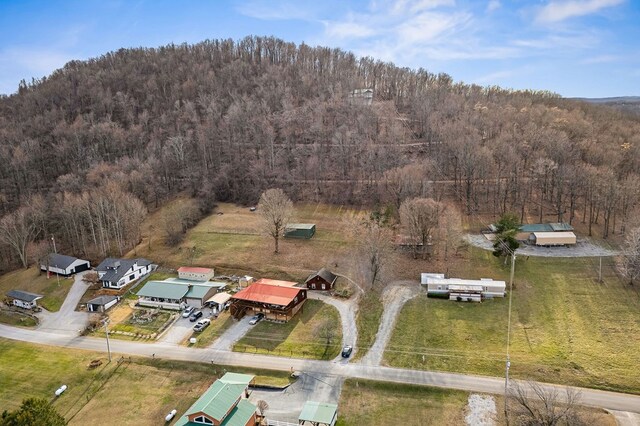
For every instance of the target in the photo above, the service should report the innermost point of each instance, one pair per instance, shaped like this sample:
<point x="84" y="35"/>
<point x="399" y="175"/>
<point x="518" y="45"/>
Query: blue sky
<point x="585" y="48"/>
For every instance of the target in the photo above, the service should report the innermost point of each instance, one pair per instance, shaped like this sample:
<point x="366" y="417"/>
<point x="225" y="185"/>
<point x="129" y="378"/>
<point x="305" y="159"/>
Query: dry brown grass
<point x="54" y="289"/>
<point x="232" y="243"/>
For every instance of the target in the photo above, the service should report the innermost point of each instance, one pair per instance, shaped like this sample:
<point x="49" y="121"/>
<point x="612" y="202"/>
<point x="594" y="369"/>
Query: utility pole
<point x="54" y="244"/>
<point x="600" y="271"/>
<point x="106" y="329"/>
<point x="508" y="362"/>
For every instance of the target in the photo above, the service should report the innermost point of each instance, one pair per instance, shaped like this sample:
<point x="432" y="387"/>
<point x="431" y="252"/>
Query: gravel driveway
<point x="584" y="248"/>
<point x="179" y="330"/>
<point x="233" y="334"/>
<point x="67" y="318"/>
<point x="395" y="296"/>
<point x="347" y="309"/>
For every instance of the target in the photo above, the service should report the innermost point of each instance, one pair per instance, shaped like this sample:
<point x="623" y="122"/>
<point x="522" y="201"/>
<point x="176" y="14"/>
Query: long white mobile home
<point x="462" y="289"/>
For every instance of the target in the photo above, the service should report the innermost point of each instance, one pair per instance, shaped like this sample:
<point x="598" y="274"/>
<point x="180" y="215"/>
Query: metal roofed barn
<point x="300" y="230"/>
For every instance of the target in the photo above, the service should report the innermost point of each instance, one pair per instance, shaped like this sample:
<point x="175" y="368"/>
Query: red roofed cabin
<point x="195" y="274"/>
<point x="277" y="302"/>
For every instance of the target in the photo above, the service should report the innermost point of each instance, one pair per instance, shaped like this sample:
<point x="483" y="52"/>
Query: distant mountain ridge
<point x="623" y="103"/>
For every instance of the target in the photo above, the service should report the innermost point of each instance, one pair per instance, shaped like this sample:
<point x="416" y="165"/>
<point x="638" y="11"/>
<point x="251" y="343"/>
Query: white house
<point x="64" y="265"/>
<point x="117" y="273"/>
<point x="462" y="289"/>
<point x="195" y="274"/>
<point x="24" y="299"/>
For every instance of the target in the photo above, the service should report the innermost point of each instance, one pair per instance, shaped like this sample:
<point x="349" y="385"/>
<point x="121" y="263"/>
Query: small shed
<point x="300" y="230"/>
<point x="554" y="238"/>
<point x="318" y="414"/>
<point x="246" y="281"/>
<point x="218" y="301"/>
<point x="24" y="299"/>
<point x="324" y="279"/>
<point x="101" y="303"/>
<point x="64" y="265"/>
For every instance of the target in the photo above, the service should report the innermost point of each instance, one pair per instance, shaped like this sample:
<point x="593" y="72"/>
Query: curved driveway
<point x="347" y="310"/>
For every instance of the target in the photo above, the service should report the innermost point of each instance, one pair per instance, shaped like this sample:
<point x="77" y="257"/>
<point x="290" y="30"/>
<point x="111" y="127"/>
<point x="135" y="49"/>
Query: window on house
<point x="313" y="286"/>
<point x="295" y="300"/>
<point x="132" y="276"/>
<point x="323" y="287"/>
<point x="203" y="420"/>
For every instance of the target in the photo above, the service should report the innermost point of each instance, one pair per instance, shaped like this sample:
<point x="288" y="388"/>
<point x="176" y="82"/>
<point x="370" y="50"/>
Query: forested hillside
<point x="87" y="149"/>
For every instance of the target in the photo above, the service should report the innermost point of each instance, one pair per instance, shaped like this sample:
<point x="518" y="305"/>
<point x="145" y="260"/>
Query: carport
<point x="218" y="301"/>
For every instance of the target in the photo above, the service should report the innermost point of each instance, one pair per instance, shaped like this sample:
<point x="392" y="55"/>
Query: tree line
<point x="226" y="119"/>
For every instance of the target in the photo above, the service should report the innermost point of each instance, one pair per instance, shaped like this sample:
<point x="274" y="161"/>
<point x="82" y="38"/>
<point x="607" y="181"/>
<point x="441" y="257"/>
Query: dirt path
<point x="584" y="248"/>
<point x="347" y="309"/>
<point x="394" y="297"/>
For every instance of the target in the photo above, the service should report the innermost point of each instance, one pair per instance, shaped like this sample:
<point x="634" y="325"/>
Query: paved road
<point x="591" y="397"/>
<point x="67" y="319"/>
<point x="395" y="296"/>
<point x="347" y="309"/>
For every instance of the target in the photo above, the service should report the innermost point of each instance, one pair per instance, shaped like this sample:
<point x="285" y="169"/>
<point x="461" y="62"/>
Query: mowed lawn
<point x="54" y="289"/>
<point x="233" y="242"/>
<point x="300" y="338"/>
<point x="364" y="402"/>
<point x="142" y="391"/>
<point x="566" y="327"/>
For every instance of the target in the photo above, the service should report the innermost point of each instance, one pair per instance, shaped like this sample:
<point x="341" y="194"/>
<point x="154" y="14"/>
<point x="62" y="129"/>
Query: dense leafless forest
<point x="86" y="150"/>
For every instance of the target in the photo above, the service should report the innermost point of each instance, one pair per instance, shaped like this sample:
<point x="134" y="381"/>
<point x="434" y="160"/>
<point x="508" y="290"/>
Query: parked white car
<point x="187" y="311"/>
<point x="202" y="324"/>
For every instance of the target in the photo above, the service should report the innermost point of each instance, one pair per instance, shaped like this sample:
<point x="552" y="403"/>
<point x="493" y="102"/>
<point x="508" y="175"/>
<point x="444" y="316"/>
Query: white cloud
<point x="493" y="5"/>
<point x="557" y="11"/>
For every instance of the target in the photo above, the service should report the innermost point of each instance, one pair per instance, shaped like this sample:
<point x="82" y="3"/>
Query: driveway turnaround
<point x="493" y="385"/>
<point x="284" y="405"/>
<point x="584" y="248"/>
<point x="67" y="319"/>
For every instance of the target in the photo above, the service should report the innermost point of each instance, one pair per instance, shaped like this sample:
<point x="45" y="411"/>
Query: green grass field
<point x="567" y="328"/>
<point x="142" y="391"/>
<point x="368" y="320"/>
<point x="54" y="289"/>
<point x="17" y="319"/>
<point x="211" y="333"/>
<point x="364" y="402"/>
<point x="299" y="337"/>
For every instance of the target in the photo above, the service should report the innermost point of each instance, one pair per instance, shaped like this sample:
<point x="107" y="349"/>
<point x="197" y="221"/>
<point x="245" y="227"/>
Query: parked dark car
<point x="346" y="351"/>
<point x="195" y="316"/>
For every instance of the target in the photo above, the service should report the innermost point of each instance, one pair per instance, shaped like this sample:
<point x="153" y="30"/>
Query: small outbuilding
<point x="194" y="273"/>
<point x="24" y="299"/>
<point x="64" y="265"/>
<point x="101" y="303"/>
<point x="554" y="238"/>
<point x="318" y="414"/>
<point x="300" y="230"/>
<point x="218" y="301"/>
<point x="324" y="279"/>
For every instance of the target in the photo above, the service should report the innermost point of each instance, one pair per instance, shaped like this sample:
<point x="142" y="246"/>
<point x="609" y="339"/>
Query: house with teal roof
<point x="223" y="404"/>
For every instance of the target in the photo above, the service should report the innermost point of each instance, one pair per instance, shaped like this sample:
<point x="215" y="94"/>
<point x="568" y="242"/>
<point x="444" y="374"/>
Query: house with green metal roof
<point x="223" y="404"/>
<point x="318" y="414"/>
<point x="176" y="294"/>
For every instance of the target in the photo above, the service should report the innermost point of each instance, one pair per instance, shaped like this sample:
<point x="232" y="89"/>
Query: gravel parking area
<point x="481" y="410"/>
<point x="584" y="248"/>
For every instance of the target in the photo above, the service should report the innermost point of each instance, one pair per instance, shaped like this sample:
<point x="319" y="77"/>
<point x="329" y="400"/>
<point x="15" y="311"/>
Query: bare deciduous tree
<point x="17" y="229"/>
<point x="374" y="243"/>
<point x="276" y="210"/>
<point x="544" y="405"/>
<point x="262" y="406"/>
<point x="630" y="260"/>
<point x="420" y="217"/>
